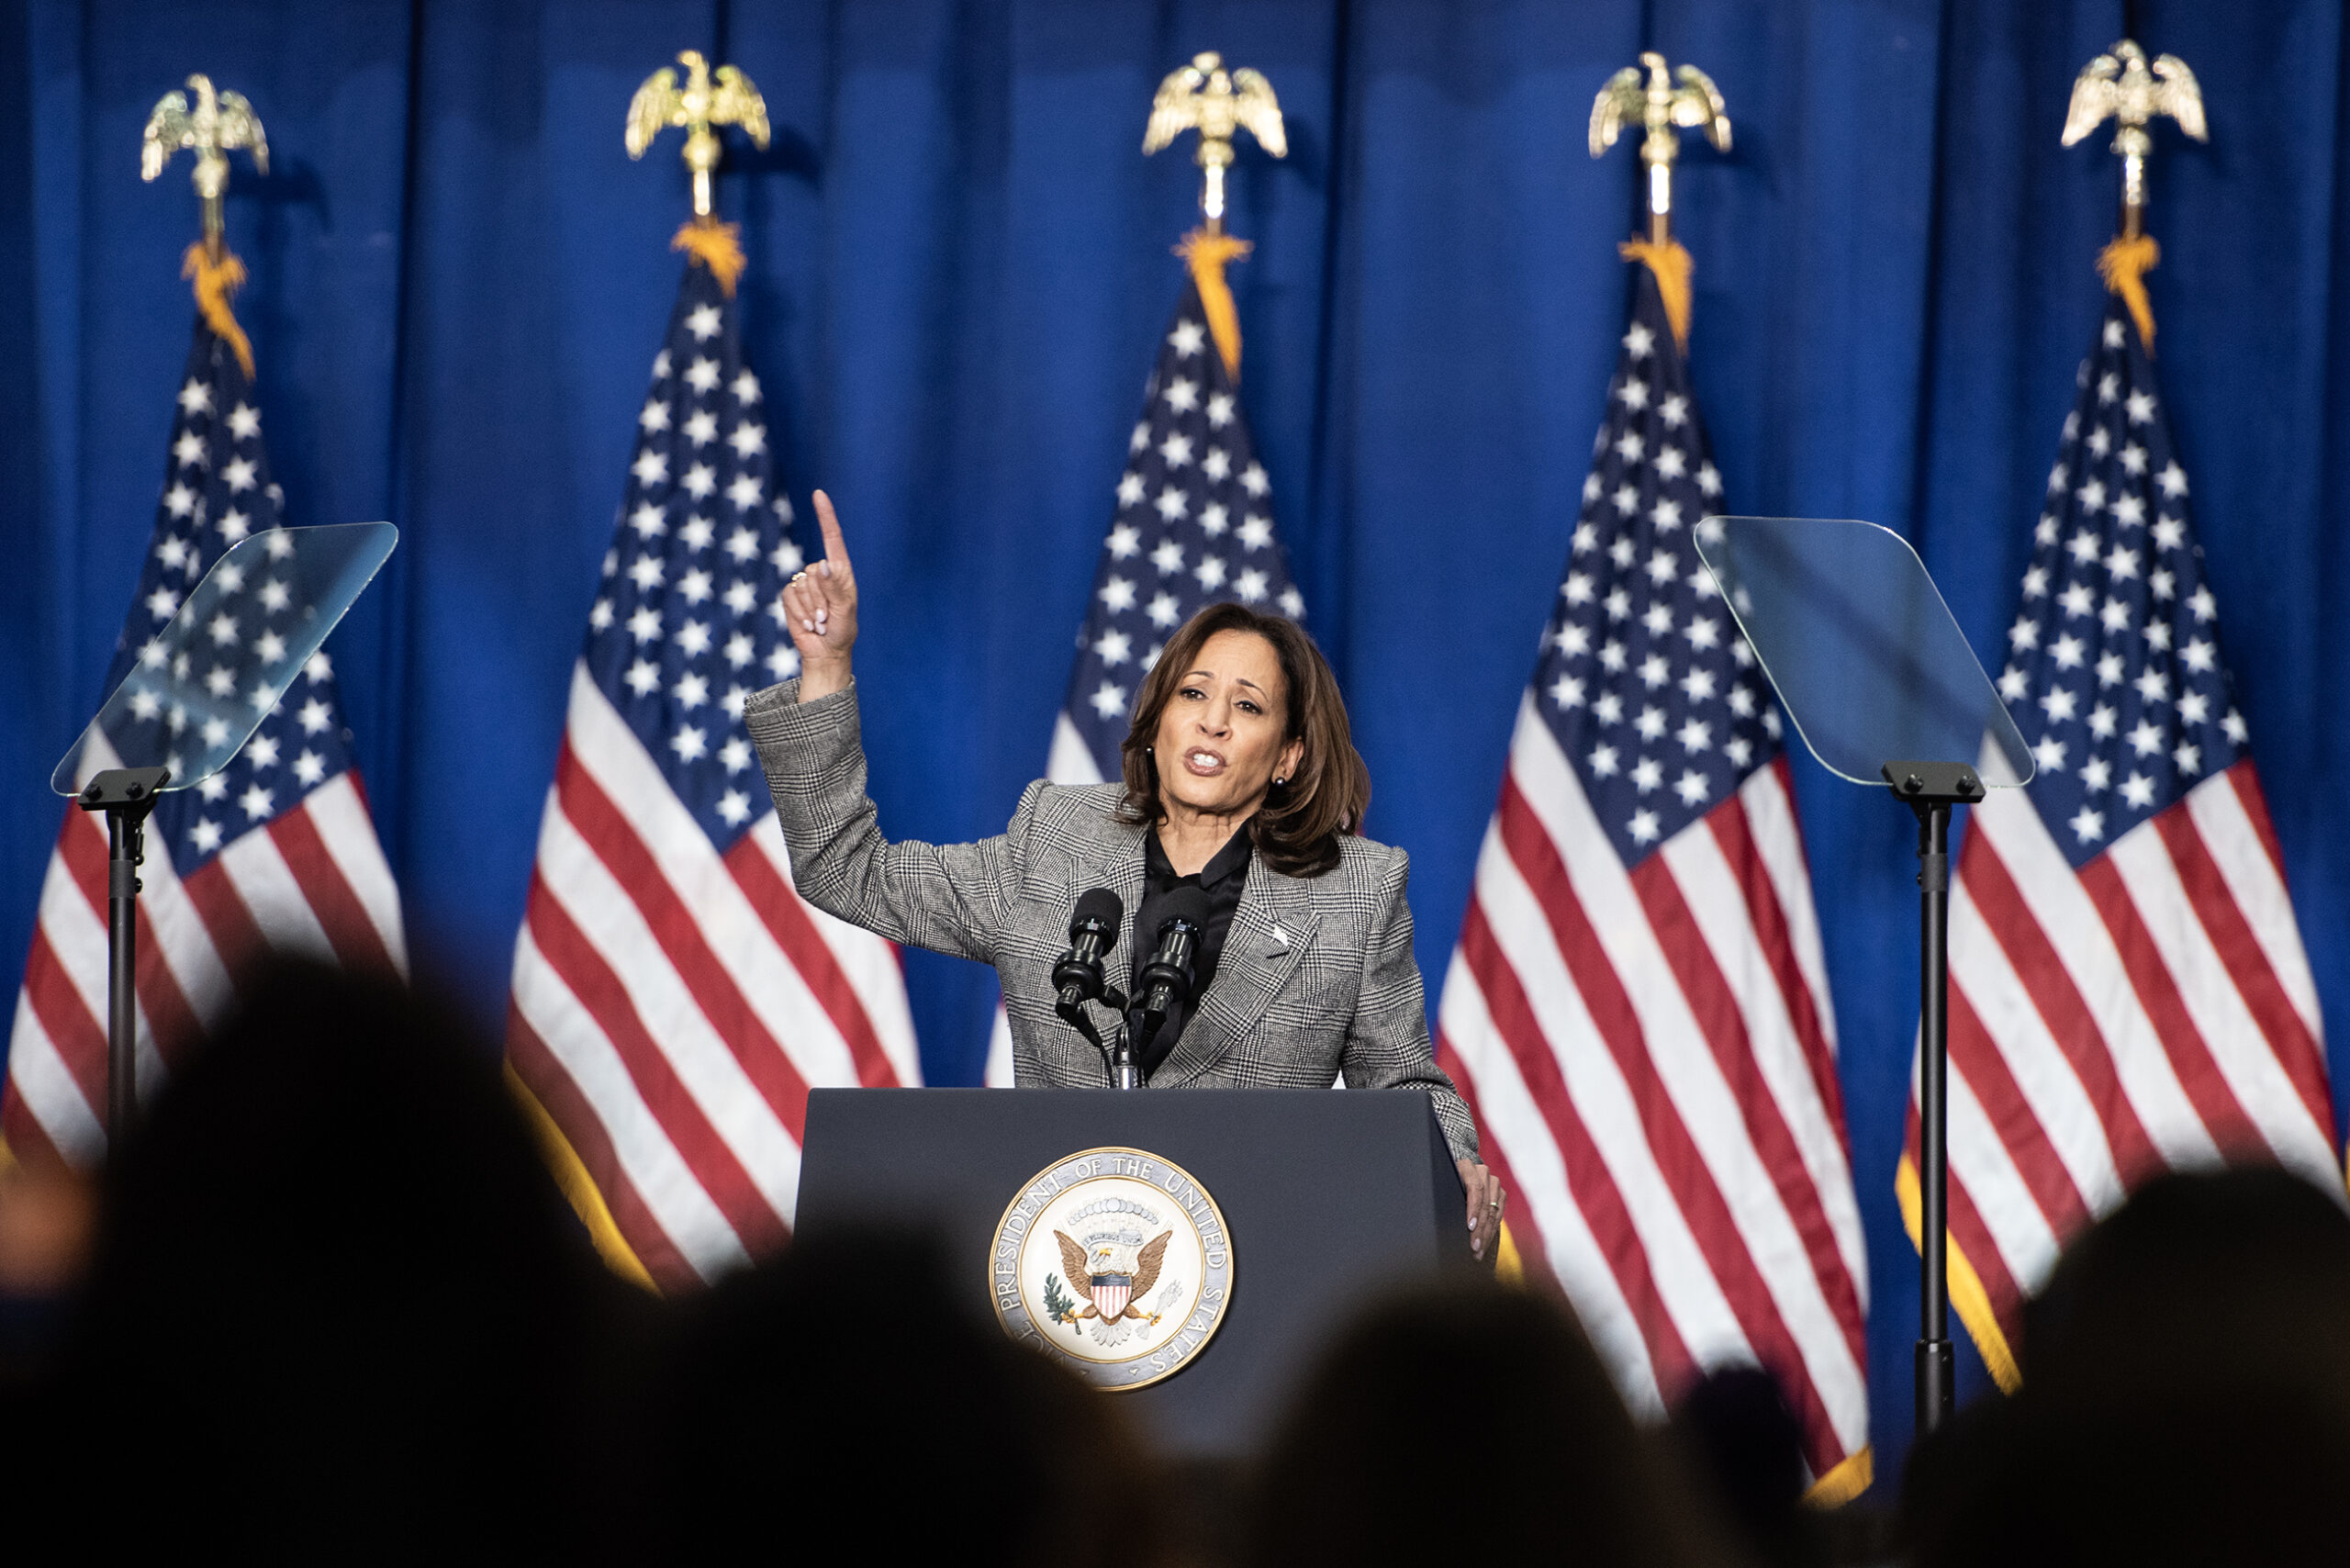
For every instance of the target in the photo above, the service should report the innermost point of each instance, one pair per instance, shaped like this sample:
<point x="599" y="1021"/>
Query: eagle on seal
<point x="1115" y="1284"/>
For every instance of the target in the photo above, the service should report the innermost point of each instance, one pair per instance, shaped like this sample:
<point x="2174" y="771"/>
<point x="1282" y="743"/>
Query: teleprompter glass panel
<point x="1863" y="654"/>
<point x="201" y="686"/>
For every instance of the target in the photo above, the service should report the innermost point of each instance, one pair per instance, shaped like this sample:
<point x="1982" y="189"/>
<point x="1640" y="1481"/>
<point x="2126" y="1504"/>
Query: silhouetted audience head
<point x="845" y="1391"/>
<point x="1467" y="1423"/>
<point x="2236" y="1282"/>
<point x="336" y="1307"/>
<point x="1738" y="1440"/>
<point x="2186" y="1394"/>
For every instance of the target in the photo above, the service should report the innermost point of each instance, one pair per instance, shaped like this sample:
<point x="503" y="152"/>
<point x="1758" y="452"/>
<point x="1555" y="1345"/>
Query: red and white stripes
<point x="312" y="882"/>
<point x="673" y="1005"/>
<point x="2152" y="1011"/>
<point x="1652" y="1054"/>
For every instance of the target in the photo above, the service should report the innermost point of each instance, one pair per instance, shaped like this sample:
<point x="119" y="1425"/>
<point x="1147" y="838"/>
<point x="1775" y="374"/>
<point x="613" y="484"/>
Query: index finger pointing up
<point x="835" y="547"/>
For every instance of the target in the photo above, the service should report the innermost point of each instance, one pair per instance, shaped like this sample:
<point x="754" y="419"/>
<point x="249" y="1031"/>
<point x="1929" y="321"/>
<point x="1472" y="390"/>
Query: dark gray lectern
<point x="1328" y="1197"/>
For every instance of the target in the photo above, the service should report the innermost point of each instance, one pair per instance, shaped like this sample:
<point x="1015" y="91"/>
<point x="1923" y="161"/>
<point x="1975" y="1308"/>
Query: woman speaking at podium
<point x="1242" y="804"/>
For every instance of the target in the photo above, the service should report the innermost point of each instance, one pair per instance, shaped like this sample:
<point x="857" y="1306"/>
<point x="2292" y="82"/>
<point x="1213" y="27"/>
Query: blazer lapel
<point x="1124" y="862"/>
<point x="1270" y="932"/>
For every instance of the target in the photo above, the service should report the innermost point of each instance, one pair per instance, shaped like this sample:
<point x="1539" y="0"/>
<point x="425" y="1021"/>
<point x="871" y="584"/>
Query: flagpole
<point x="2120" y="84"/>
<point x="219" y="122"/>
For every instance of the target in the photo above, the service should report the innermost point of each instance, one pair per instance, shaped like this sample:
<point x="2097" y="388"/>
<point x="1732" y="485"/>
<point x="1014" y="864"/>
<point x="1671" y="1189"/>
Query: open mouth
<point x="1202" y="762"/>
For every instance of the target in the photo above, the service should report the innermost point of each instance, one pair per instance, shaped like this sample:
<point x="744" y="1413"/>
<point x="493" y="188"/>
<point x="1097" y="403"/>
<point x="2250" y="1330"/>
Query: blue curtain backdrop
<point x="958" y="265"/>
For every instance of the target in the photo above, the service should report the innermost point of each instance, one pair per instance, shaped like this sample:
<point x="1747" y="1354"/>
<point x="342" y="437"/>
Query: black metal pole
<point x="126" y="795"/>
<point x="1936" y="1395"/>
<point x="125" y="834"/>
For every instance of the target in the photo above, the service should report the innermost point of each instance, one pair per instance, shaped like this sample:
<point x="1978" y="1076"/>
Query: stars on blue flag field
<point x="2113" y="671"/>
<point x="1643" y="679"/>
<point x="216" y="492"/>
<point x="689" y="619"/>
<point x="1193" y="526"/>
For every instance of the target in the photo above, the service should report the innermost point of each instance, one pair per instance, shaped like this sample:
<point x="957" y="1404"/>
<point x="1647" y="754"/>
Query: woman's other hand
<point x="1486" y="1202"/>
<point x="820" y="611"/>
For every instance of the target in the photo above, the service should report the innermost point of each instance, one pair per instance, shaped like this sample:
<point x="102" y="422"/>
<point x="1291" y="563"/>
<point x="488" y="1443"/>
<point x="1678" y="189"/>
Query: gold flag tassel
<point x="1206" y="250"/>
<point x="219" y="274"/>
<point x="2123" y="265"/>
<point x="1671" y="266"/>
<point x="1663" y="110"/>
<point x="717" y="246"/>
<point x="2120" y="84"/>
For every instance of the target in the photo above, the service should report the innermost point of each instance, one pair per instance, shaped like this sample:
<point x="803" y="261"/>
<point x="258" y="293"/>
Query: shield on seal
<point x="1110" y="1293"/>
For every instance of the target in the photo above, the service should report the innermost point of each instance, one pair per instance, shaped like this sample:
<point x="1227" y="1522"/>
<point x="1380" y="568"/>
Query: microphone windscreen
<point x="1098" y="904"/>
<point x="1187" y="901"/>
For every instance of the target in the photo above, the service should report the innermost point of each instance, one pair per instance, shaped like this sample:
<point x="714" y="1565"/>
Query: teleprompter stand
<point x="1881" y="685"/>
<point x="186" y="707"/>
<point x="1930" y="789"/>
<point x="126" y="795"/>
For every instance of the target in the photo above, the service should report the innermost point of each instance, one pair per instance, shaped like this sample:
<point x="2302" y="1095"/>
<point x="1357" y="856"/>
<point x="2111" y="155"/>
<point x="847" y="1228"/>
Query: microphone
<point x="1167" y="979"/>
<point x="1092" y="931"/>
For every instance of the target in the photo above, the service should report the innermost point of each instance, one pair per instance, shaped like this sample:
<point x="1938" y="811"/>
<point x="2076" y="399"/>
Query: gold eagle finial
<point x="2119" y="84"/>
<point x="1205" y="97"/>
<point x="1665" y="110"/>
<point x="724" y="96"/>
<point x="220" y="122"/>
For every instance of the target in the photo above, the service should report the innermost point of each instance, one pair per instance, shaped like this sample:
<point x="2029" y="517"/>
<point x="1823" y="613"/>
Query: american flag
<point x="2128" y="990"/>
<point x="1193" y="526"/>
<point x="1637" y="1008"/>
<point x="274" y="854"/>
<point x="674" y="1000"/>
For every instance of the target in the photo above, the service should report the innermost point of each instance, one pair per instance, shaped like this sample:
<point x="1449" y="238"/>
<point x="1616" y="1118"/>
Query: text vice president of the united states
<point x="1243" y="800"/>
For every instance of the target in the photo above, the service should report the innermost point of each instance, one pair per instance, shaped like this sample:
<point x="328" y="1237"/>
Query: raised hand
<point x="820" y="611"/>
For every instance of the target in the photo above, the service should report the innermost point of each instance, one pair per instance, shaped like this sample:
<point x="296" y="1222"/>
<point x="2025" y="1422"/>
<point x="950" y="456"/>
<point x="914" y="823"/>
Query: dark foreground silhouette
<point x="2186" y="1396"/>
<point x="336" y="1310"/>
<point x="1467" y="1423"/>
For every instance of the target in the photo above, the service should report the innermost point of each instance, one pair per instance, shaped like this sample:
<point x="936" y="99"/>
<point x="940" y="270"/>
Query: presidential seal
<point x="1117" y="1261"/>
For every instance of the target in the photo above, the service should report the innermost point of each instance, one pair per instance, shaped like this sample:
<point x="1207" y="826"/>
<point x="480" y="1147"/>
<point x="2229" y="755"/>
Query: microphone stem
<point x="1125" y="1071"/>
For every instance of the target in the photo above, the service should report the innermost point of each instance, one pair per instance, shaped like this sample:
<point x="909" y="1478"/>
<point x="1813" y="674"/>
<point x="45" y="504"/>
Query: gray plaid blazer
<point x="1317" y="975"/>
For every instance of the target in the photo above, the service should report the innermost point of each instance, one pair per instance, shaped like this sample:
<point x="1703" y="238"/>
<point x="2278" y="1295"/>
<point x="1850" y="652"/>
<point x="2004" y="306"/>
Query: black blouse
<point x="1221" y="879"/>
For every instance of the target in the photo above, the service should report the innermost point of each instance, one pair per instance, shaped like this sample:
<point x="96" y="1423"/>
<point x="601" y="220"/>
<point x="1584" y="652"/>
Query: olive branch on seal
<point x="1061" y="1308"/>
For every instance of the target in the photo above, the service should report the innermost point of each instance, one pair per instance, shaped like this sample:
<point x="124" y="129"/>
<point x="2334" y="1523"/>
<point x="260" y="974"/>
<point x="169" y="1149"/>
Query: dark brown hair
<point x="1297" y="830"/>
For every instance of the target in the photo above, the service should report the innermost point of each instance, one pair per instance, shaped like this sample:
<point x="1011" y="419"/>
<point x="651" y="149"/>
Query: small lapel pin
<point x="1281" y="938"/>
